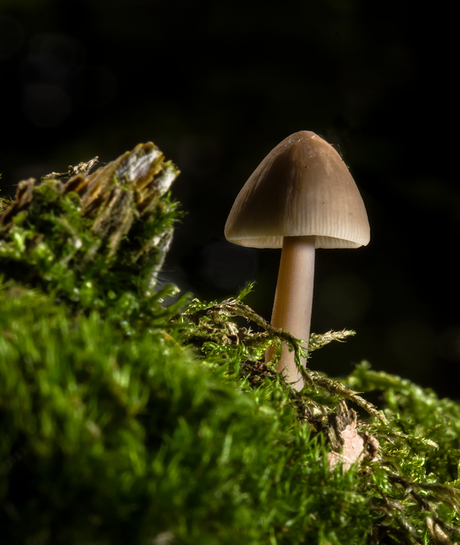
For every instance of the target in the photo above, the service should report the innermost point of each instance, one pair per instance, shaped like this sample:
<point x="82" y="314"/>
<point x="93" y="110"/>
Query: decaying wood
<point x="22" y="201"/>
<point x="83" y="168"/>
<point x="114" y="195"/>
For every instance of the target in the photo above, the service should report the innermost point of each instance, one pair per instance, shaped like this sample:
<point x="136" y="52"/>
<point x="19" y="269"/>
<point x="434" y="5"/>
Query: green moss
<point x="423" y="440"/>
<point x="107" y="438"/>
<point x="126" y="420"/>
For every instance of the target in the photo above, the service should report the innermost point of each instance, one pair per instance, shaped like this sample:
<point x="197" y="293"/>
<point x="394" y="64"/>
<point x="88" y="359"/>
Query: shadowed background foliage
<point x="216" y="85"/>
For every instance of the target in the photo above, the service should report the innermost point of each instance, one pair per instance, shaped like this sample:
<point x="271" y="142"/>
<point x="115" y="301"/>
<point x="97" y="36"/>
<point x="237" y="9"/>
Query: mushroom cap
<point x="301" y="188"/>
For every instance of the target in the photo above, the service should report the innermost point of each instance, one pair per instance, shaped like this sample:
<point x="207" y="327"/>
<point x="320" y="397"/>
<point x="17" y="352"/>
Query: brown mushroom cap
<point x="301" y="188"/>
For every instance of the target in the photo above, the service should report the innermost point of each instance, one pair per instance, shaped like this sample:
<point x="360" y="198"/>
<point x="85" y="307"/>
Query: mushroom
<point x="301" y="197"/>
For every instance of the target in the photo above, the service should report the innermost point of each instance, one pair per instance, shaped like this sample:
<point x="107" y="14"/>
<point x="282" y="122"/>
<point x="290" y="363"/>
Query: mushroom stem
<point x="293" y="300"/>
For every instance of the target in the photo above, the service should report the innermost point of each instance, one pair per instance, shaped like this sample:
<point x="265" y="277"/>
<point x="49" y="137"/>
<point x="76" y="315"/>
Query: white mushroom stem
<point x="293" y="300"/>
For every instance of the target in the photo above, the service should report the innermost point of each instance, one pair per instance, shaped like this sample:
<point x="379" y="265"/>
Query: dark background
<point x="216" y="85"/>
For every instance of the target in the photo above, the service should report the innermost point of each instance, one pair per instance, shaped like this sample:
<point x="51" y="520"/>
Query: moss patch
<point x="124" y="419"/>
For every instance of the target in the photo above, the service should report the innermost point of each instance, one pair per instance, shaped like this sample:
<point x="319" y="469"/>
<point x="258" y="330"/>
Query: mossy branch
<point x="235" y="307"/>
